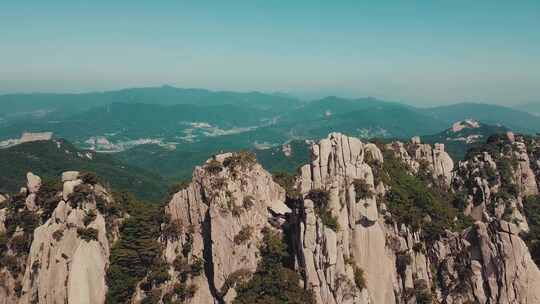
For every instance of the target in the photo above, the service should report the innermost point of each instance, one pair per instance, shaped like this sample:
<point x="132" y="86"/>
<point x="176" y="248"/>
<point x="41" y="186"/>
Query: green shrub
<point x="240" y="160"/>
<point x="58" y="234"/>
<point x="48" y="197"/>
<point x="418" y="247"/>
<point x="362" y="189"/>
<point x="3" y="242"/>
<point x="11" y="263"/>
<point x="21" y="243"/>
<point x="273" y="283"/>
<point x="197" y="266"/>
<point x="410" y="199"/>
<point x="359" y="278"/>
<point x="184" y="292"/>
<point x="287" y="182"/>
<point x="89" y="217"/>
<point x="89" y="178"/>
<point x="233" y="279"/>
<point x="80" y="194"/>
<point x="178" y="187"/>
<point x="159" y="274"/>
<point x="248" y="202"/>
<point x="243" y="235"/>
<point x="402" y="261"/>
<point x="423" y="296"/>
<point x="88" y="234"/>
<point x="213" y="167"/>
<point x="320" y="200"/>
<point x="531" y="207"/>
<point x="137" y="250"/>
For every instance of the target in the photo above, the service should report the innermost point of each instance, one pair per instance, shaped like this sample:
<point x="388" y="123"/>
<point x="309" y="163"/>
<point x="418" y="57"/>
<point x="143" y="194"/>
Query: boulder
<point x="70" y="176"/>
<point x="33" y="182"/>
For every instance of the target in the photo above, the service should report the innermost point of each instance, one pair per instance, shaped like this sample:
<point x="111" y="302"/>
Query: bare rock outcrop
<point x="330" y="254"/>
<point x="495" y="181"/>
<point x="57" y="249"/>
<point x="219" y="218"/>
<point x="488" y="263"/>
<point x="423" y="157"/>
<point x="341" y="215"/>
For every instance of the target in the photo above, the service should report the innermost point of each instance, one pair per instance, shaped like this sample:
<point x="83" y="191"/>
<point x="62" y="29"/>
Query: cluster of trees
<point x="411" y="201"/>
<point x="320" y="200"/>
<point x="136" y="252"/>
<point x="531" y="206"/>
<point x="273" y="282"/>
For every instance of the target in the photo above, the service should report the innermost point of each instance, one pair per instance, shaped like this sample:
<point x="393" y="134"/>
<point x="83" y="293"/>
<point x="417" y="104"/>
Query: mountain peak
<point x="465" y="124"/>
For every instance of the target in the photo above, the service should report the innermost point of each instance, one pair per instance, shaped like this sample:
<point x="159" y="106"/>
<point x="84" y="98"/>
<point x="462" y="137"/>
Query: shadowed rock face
<point x="339" y="228"/>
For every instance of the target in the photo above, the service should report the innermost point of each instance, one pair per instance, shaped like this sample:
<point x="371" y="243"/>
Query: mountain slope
<point x="361" y="223"/>
<point x="61" y="105"/>
<point x="490" y="114"/>
<point x="364" y="118"/>
<point x="464" y="135"/>
<point x="51" y="158"/>
<point x="531" y="107"/>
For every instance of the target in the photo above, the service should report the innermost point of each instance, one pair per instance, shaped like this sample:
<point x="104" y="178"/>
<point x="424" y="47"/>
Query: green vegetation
<point x="240" y="160"/>
<point x="248" y="202"/>
<point x="49" y="196"/>
<point x="531" y="206"/>
<point x="177" y="187"/>
<point x="88" y="234"/>
<point x="320" y="200"/>
<point x="89" y="217"/>
<point x="410" y="200"/>
<point x="49" y="160"/>
<point x="80" y="194"/>
<point x="362" y="189"/>
<point x="137" y="252"/>
<point x="287" y="182"/>
<point x="89" y="178"/>
<point x="213" y="167"/>
<point x="273" y="283"/>
<point x="182" y="290"/>
<point x="423" y="296"/>
<point x="243" y="235"/>
<point x="58" y="235"/>
<point x="359" y="278"/>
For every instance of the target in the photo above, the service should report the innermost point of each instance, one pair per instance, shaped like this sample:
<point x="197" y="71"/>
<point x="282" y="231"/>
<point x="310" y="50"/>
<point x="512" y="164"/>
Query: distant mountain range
<point x="531" y="107"/>
<point x="464" y="135"/>
<point x="167" y="129"/>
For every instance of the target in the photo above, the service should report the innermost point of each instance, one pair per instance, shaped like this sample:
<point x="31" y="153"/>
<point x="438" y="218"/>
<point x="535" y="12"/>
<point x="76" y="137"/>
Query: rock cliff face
<point x="488" y="263"/>
<point x="422" y="157"/>
<point x="399" y="265"/>
<point x="356" y="233"/>
<point x="57" y="247"/>
<point x="332" y="257"/>
<point x="219" y="218"/>
<point x="495" y="180"/>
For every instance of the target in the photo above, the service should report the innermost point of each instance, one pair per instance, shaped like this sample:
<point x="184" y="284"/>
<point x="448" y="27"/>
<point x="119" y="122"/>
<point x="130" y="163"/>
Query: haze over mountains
<point x="169" y="130"/>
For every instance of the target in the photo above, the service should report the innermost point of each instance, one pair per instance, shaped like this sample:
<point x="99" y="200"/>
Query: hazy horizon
<point x="421" y="53"/>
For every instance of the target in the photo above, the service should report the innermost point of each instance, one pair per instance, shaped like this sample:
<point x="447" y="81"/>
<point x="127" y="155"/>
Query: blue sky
<point x="423" y="52"/>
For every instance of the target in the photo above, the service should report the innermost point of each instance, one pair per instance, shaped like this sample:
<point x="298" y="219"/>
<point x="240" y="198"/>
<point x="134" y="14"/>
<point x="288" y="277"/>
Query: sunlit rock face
<point x="329" y="255"/>
<point x="220" y="217"/>
<point x="69" y="251"/>
<point x="343" y="240"/>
